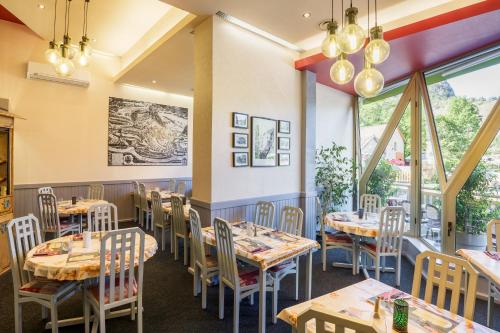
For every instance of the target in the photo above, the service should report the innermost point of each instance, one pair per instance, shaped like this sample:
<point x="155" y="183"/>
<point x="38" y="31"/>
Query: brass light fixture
<point x="377" y="51"/>
<point x="352" y="36"/>
<point x="330" y="45"/>
<point x="85" y="50"/>
<point x="65" y="66"/>
<point x="52" y="53"/>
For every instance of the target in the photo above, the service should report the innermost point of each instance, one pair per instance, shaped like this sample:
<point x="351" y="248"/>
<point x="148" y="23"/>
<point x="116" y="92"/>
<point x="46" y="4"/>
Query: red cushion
<point x="42" y="286"/>
<point x="284" y="265"/>
<point x="248" y="278"/>
<point x="338" y="238"/>
<point x="95" y="290"/>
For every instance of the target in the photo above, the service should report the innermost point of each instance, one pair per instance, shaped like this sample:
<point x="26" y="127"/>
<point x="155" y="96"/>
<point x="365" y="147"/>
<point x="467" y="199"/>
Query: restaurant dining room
<point x="250" y="166"/>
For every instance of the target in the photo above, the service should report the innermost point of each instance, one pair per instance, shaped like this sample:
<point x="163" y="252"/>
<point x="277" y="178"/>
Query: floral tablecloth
<point x="349" y="222"/>
<point x="65" y="259"/>
<point x="357" y="301"/>
<point x="81" y="206"/>
<point x="486" y="264"/>
<point x="165" y="195"/>
<point x="269" y="248"/>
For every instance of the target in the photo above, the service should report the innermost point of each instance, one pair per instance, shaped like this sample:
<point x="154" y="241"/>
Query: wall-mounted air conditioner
<point x="37" y="71"/>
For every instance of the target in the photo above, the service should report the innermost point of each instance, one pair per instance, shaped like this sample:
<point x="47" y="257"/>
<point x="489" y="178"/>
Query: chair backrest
<point x="23" y="234"/>
<point x="96" y="192"/>
<point x="47" y="203"/>
<point x="391" y="228"/>
<point x="158" y="215"/>
<point x="178" y="216"/>
<point x="181" y="188"/>
<point x="432" y="212"/>
<point x="449" y="275"/>
<point x="228" y="269"/>
<point x="171" y="185"/>
<point x="371" y="203"/>
<point x="291" y="220"/>
<point x="137" y="195"/>
<point x="102" y="217"/>
<point x="46" y="189"/>
<point x="119" y="245"/>
<point x="197" y="238"/>
<point x="493" y="231"/>
<point x="142" y="194"/>
<point x="264" y="214"/>
<point x="323" y="316"/>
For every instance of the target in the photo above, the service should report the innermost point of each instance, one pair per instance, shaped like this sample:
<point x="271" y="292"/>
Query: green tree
<point x="381" y="180"/>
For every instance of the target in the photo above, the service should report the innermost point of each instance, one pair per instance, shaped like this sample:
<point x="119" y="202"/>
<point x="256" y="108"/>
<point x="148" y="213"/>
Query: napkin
<point x="493" y="255"/>
<point x="340" y="217"/>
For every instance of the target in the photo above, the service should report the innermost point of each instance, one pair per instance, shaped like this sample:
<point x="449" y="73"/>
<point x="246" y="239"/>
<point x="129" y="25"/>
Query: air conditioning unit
<point x="37" y="71"/>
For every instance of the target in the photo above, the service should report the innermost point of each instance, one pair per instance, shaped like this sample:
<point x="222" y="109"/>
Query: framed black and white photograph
<point x="284" y="127"/>
<point x="283" y="159"/>
<point x="283" y="143"/>
<point x="240" y="120"/>
<point x="263" y="142"/>
<point x="240" y="159"/>
<point x="240" y="140"/>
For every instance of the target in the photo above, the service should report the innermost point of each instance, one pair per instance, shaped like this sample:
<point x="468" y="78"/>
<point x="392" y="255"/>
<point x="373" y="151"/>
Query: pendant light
<point x="85" y="51"/>
<point x="330" y="47"/>
<point x="352" y="36"/>
<point x="377" y="51"/>
<point x="65" y="66"/>
<point x="342" y="70"/>
<point x="52" y="53"/>
<point x="369" y="82"/>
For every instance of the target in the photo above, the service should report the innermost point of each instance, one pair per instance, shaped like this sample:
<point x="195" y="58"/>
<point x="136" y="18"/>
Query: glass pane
<point x="430" y="194"/>
<point x="461" y="103"/>
<point x="373" y="118"/>
<point x="479" y="200"/>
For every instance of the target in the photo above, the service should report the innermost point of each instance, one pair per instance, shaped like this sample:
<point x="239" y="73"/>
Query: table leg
<point x="262" y="301"/>
<point x="308" y="275"/>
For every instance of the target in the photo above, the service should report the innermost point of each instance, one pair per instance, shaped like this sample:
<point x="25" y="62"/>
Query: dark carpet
<point x="169" y="305"/>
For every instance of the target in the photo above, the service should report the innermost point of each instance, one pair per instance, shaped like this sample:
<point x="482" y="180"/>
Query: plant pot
<point x="465" y="240"/>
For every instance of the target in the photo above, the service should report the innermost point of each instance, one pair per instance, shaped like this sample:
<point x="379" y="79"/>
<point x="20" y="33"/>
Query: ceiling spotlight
<point x="154" y="81"/>
<point x="306" y="15"/>
<point x="41" y="6"/>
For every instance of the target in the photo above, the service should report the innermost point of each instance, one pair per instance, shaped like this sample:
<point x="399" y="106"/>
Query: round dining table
<point x="81" y="206"/>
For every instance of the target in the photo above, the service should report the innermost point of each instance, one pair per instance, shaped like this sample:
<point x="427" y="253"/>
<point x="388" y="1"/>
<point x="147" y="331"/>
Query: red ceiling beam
<point x="8" y="16"/>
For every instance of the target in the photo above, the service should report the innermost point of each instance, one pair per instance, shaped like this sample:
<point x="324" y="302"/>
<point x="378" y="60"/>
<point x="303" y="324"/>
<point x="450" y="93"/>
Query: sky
<point x="481" y="83"/>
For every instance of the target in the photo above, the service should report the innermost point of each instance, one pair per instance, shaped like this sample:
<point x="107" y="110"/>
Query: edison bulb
<point x="377" y="51"/>
<point x="342" y="71"/>
<point x="52" y="55"/>
<point x="330" y="47"/>
<point x="369" y="82"/>
<point x="351" y="38"/>
<point x="82" y="59"/>
<point x="65" y="67"/>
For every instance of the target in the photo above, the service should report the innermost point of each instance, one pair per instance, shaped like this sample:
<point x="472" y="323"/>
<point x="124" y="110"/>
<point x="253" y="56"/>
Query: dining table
<point x="66" y="259"/>
<point x="265" y="248"/>
<point x="80" y="208"/>
<point x="357" y="301"/>
<point x="164" y="195"/>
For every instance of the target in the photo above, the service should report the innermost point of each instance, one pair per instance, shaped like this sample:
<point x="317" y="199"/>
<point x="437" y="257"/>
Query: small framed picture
<point x="283" y="143"/>
<point x="240" y="159"/>
<point x="283" y="159"/>
<point x="240" y="120"/>
<point x="240" y="140"/>
<point x="284" y="127"/>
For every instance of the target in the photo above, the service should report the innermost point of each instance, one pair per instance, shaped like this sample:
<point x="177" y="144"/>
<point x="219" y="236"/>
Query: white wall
<point x="64" y="138"/>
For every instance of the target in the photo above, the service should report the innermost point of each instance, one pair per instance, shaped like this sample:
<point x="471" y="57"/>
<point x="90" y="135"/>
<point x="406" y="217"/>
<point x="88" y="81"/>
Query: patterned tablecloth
<point x="269" y="248"/>
<point x="81" y="207"/>
<point x="487" y="265"/>
<point x="349" y="222"/>
<point x="167" y="208"/>
<point x="357" y="301"/>
<point x="58" y="264"/>
<point x="165" y="195"/>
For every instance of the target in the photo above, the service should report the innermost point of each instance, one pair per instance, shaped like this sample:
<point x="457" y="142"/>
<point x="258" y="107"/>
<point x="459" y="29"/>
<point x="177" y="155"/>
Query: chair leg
<point x="383" y="264"/>
<point x="163" y="238"/>
<point x="86" y="312"/>
<point x="139" y="315"/>
<point x="45" y="312"/>
<point x="236" y="312"/>
<point x="491" y="305"/>
<point x="276" y="287"/>
<point x="53" y="316"/>
<point x="18" y="316"/>
<point x="102" y="320"/>
<point x="398" y="270"/>
<point x="251" y="299"/>
<point x="221" y="300"/>
<point x="185" y="243"/>
<point x="204" y="293"/>
<point x="172" y="238"/>
<point x="132" y="310"/>
<point x="196" y="280"/>
<point x="323" y="257"/>
<point x="377" y="268"/>
<point x="297" y="279"/>
<point x="176" y="248"/>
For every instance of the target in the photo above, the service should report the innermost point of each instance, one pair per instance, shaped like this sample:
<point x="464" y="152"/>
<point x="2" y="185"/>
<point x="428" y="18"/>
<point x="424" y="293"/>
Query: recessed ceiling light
<point x="41" y="6"/>
<point x="154" y="81"/>
<point x="306" y="15"/>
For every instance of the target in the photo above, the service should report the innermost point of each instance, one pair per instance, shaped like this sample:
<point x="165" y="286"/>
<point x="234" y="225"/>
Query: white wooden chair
<point x="144" y="211"/>
<point x="264" y="214"/>
<point x="449" y="276"/>
<point x="433" y="218"/>
<point x="137" y="201"/>
<point x="244" y="283"/>
<point x="160" y="223"/>
<point x="329" y="321"/>
<point x="23" y="235"/>
<point x="371" y="203"/>
<point x="180" y="228"/>
<point x="181" y="188"/>
<point x="96" y="192"/>
<point x="121" y="287"/>
<point x="336" y="240"/>
<point x="492" y="233"/>
<point x="291" y="219"/>
<point x="49" y="216"/>
<point x="205" y="267"/>
<point x="389" y="242"/>
<point x="171" y="185"/>
<point x="47" y="189"/>
<point x="102" y="217"/>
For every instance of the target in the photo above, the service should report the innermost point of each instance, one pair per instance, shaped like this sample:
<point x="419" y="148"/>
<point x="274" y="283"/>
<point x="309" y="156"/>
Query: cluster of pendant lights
<point x="351" y="38"/>
<point x="63" y="55"/>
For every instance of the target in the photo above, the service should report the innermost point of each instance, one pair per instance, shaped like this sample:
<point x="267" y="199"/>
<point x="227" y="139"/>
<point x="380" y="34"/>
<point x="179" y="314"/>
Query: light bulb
<point x="352" y="37"/>
<point x="377" y="51"/>
<point x="369" y="82"/>
<point x="342" y="70"/>
<point x="330" y="47"/>
<point x="83" y="59"/>
<point x="52" y="53"/>
<point x="65" y="67"/>
<point x="84" y="53"/>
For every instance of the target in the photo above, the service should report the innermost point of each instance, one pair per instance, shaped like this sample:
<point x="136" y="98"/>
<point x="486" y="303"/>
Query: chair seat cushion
<point x="248" y="277"/>
<point x="372" y="247"/>
<point x="283" y="266"/>
<point x="211" y="261"/>
<point x="339" y="238"/>
<point x="95" y="290"/>
<point x="44" y="286"/>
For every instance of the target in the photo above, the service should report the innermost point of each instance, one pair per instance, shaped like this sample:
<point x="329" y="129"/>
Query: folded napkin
<point x="340" y="217"/>
<point x="493" y="255"/>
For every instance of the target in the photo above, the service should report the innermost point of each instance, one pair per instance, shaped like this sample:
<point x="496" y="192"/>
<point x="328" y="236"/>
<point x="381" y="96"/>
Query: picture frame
<point x="264" y="142"/>
<point x="240" y="120"/>
<point x="240" y="159"/>
<point x="284" y="159"/>
<point x="284" y="127"/>
<point x="283" y="143"/>
<point x="240" y="140"/>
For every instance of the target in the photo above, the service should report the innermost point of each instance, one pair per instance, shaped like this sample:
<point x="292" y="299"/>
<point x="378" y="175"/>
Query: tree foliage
<point x="382" y="180"/>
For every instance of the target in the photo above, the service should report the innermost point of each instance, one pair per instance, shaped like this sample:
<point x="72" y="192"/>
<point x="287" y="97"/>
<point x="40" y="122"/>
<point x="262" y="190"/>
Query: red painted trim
<point x="429" y="23"/>
<point x="8" y="16"/>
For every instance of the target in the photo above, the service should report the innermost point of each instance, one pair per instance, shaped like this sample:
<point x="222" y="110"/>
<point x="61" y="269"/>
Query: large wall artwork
<point x="143" y="133"/>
